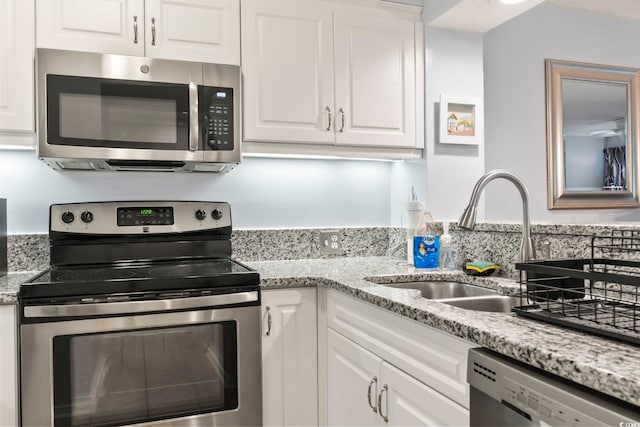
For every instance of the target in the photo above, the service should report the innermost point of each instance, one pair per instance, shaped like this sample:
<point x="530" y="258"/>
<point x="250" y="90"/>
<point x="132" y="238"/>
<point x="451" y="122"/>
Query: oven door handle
<point x="133" y="307"/>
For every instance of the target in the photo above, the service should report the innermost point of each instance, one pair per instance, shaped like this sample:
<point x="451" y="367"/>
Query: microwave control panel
<point x="216" y="106"/>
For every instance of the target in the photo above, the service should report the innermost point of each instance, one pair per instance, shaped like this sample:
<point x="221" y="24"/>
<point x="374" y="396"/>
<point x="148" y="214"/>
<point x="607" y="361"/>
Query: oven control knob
<point x="216" y="214"/>
<point x="68" y="217"/>
<point x="86" y="217"/>
<point x="200" y="214"/>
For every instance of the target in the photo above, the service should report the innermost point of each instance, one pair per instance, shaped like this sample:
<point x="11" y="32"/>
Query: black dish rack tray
<point x="599" y="295"/>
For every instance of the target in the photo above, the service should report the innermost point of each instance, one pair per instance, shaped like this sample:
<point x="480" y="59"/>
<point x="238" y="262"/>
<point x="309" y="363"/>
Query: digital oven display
<point x="147" y="215"/>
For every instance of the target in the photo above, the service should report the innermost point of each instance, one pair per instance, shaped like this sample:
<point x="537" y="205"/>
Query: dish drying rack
<point x="599" y="295"/>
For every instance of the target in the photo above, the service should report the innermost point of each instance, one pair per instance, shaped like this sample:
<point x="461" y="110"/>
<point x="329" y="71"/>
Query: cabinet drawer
<point x="433" y="357"/>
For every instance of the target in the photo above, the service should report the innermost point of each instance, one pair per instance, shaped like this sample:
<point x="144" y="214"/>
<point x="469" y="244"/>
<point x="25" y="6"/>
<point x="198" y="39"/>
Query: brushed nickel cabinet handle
<point x="341" y="112"/>
<point x="268" y="321"/>
<point x="328" y="110"/>
<point x="373" y="381"/>
<point x="153" y="31"/>
<point x="135" y="29"/>
<point x="384" y="390"/>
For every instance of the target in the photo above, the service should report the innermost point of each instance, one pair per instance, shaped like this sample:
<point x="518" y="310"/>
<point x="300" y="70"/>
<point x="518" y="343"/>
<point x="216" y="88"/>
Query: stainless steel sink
<point x="436" y="289"/>
<point x="494" y="303"/>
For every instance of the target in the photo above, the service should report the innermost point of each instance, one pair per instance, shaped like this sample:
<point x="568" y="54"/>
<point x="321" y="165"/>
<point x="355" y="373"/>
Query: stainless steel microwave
<point x="113" y="112"/>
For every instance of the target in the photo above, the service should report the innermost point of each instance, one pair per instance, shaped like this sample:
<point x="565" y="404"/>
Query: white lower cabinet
<point x="384" y="369"/>
<point x="8" y="366"/>
<point x="289" y="357"/>
<point x="352" y="382"/>
<point x="408" y="402"/>
<point x="364" y="390"/>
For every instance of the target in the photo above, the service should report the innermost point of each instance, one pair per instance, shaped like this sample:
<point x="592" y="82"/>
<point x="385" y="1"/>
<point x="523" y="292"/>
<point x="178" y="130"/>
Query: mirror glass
<point x="591" y="140"/>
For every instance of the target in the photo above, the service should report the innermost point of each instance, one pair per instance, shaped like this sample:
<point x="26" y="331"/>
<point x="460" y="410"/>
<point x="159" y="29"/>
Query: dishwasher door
<point x="505" y="392"/>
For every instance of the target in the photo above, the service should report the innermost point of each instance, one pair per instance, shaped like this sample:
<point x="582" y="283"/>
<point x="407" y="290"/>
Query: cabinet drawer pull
<point x="135" y="29"/>
<point x="328" y="110"/>
<point x="341" y="113"/>
<point x="373" y="381"/>
<point x="153" y="31"/>
<point x="268" y="321"/>
<point x="385" y="391"/>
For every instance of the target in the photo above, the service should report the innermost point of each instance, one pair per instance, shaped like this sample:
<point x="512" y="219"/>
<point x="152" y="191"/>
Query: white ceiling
<point x="622" y="8"/>
<point x="483" y="15"/>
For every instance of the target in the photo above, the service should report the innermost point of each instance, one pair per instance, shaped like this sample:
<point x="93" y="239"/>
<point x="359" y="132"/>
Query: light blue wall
<point x="263" y="193"/>
<point x="515" y="124"/>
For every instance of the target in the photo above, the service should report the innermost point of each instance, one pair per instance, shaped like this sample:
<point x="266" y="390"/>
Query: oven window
<point x="95" y="112"/>
<point x="130" y="377"/>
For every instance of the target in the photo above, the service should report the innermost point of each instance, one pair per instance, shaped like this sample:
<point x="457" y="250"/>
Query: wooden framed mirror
<point x="592" y="135"/>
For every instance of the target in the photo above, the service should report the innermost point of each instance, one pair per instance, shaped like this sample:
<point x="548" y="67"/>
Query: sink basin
<point x="436" y="289"/>
<point x="494" y="303"/>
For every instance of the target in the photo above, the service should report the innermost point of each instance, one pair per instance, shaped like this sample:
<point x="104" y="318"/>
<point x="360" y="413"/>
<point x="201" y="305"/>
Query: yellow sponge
<point x="481" y="268"/>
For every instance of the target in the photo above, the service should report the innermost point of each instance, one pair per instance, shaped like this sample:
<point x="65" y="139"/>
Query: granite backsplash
<point x="499" y="243"/>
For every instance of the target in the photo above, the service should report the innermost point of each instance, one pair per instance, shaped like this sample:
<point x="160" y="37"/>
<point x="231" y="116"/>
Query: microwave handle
<point x="194" y="131"/>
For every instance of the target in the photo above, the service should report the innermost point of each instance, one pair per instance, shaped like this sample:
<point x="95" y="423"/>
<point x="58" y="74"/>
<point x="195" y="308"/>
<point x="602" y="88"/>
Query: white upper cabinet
<point x="192" y="30"/>
<point x="105" y="26"/>
<point x="16" y="65"/>
<point x="375" y="80"/>
<point x="287" y="64"/>
<point x="336" y="76"/>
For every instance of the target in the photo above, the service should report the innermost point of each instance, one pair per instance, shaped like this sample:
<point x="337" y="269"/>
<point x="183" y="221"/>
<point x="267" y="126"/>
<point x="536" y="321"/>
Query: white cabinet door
<point x="193" y="30"/>
<point x="287" y="62"/>
<point x="353" y="383"/>
<point x="104" y="26"/>
<point x="8" y="365"/>
<point x="16" y="65"/>
<point x="408" y="402"/>
<point x="289" y="357"/>
<point x="375" y="80"/>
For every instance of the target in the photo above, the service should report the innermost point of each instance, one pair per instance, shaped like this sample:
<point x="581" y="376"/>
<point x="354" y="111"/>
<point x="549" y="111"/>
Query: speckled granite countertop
<point x="605" y="365"/>
<point x="10" y="284"/>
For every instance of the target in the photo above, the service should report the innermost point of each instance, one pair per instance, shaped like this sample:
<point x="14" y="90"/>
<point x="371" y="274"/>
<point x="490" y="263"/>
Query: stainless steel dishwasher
<point x="505" y="392"/>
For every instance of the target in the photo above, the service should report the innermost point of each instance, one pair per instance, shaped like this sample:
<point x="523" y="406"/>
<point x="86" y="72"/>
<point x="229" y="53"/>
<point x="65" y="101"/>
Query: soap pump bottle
<point x="412" y="216"/>
<point x="447" y="253"/>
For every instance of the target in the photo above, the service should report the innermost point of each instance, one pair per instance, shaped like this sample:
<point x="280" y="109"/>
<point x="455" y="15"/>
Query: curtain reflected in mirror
<point x="591" y="135"/>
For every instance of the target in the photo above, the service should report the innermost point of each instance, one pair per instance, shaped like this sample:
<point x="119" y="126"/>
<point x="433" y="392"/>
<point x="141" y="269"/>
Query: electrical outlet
<point x="330" y="242"/>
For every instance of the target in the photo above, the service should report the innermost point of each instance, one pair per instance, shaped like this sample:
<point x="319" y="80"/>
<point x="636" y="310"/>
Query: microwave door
<point x="119" y="116"/>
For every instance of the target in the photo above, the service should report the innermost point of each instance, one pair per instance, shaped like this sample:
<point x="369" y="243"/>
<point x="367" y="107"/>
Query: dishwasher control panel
<point x="540" y="407"/>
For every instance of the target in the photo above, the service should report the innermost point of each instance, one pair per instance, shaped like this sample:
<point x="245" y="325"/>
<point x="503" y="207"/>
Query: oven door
<point x="175" y="362"/>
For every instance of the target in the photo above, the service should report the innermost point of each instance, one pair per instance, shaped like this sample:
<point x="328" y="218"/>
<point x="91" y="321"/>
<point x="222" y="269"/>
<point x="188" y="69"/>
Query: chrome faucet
<point x="468" y="218"/>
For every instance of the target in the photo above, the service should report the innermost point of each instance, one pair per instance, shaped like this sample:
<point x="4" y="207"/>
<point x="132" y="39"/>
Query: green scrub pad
<point x="481" y="268"/>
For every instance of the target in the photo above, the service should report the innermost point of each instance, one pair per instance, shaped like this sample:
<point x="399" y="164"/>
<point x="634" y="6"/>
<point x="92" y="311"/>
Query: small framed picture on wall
<point x="460" y="120"/>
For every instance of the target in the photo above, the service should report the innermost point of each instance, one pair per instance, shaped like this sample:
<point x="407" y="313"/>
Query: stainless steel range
<point x="143" y="317"/>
